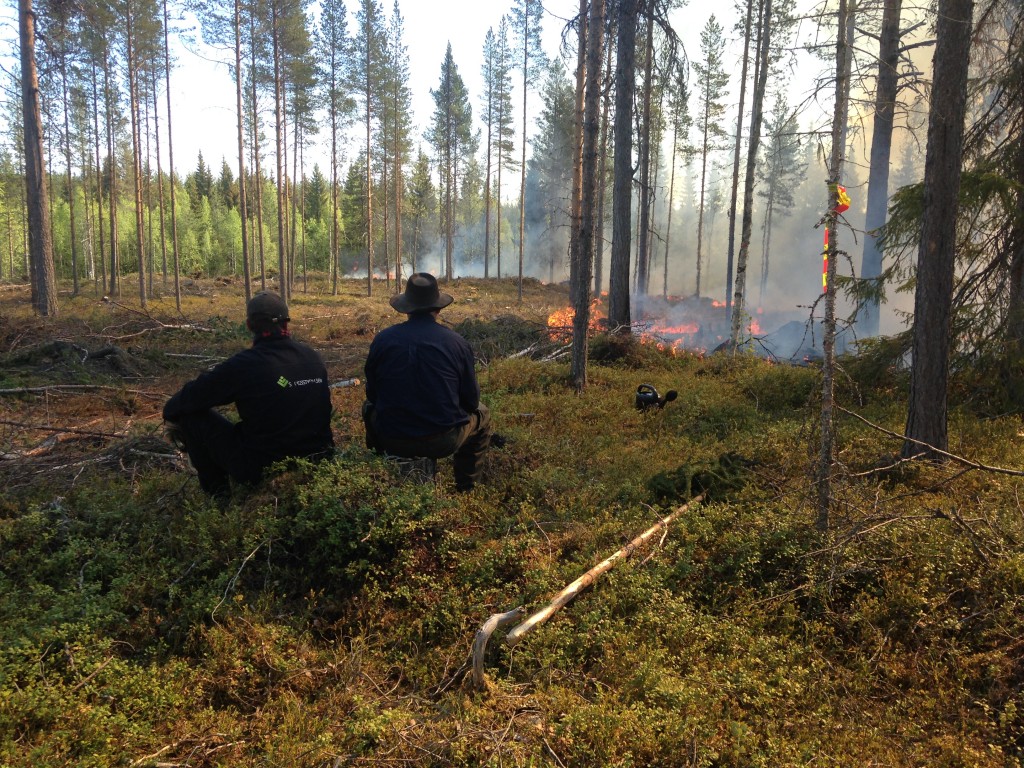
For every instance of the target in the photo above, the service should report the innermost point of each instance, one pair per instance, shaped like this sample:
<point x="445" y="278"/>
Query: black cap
<point x="421" y="293"/>
<point x="267" y="306"/>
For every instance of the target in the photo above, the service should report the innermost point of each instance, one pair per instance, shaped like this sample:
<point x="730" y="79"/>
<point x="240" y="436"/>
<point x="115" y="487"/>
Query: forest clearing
<point x="326" y="618"/>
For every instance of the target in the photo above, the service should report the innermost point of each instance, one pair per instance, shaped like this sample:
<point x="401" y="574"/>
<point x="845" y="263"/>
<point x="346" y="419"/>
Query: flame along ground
<point x="703" y="324"/>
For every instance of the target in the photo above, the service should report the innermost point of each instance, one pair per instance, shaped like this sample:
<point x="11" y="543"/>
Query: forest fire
<point x="674" y="325"/>
<point x="560" y="321"/>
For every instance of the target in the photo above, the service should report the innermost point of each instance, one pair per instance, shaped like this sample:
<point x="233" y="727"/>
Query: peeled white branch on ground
<point x="564" y="597"/>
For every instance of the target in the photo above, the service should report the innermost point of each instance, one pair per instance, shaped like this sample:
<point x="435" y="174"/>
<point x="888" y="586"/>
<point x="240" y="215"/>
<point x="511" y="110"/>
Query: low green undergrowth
<point x="326" y="617"/>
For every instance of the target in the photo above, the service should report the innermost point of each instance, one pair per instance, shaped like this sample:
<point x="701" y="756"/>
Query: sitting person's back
<point x="423" y="399"/>
<point x="280" y="390"/>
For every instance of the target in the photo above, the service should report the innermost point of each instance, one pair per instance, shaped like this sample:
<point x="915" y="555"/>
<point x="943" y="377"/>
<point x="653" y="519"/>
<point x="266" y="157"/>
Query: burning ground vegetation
<point x="700" y="325"/>
<point x="327" y="617"/>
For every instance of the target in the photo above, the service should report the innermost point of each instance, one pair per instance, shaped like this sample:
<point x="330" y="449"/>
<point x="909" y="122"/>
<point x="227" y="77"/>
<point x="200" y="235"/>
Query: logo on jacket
<point x="283" y="382"/>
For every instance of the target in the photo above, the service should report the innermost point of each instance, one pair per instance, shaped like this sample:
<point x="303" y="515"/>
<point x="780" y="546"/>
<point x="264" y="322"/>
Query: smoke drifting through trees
<point x="339" y="214"/>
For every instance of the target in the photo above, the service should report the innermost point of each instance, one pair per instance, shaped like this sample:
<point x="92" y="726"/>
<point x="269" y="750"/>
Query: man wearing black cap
<point x="280" y="390"/>
<point x="422" y="395"/>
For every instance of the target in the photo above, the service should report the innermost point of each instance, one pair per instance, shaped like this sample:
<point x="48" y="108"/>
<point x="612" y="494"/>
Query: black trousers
<point x="466" y="444"/>
<point x="216" y="452"/>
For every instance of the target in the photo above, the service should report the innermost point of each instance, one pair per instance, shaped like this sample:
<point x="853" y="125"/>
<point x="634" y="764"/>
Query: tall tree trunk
<point x="159" y="179"/>
<point x="839" y="117"/>
<point x="115" y="261"/>
<point x="282" y="223"/>
<point x="302" y="215"/>
<point x="643" y="254"/>
<point x="291" y="192"/>
<point x="760" y="87"/>
<point x="170" y="167"/>
<point x="926" y="413"/>
<point x="399" y="194"/>
<point x="148" y="190"/>
<point x="70" y="177"/>
<point x="700" y="206"/>
<point x="622" y="189"/>
<point x="734" y="192"/>
<point x="589" y="220"/>
<point x="522" y="168"/>
<point x="487" y="173"/>
<point x="99" y="175"/>
<point x="367" y="93"/>
<point x="602" y="174"/>
<point x="41" y="272"/>
<point x="499" y="217"/>
<point x="335" y="255"/>
<point x="671" y="205"/>
<point x="386" y="223"/>
<point x="881" y="147"/>
<point x="577" y="159"/>
<point x="242" y="208"/>
<point x="258" y="180"/>
<point x="133" y="108"/>
<point x="766" y="243"/>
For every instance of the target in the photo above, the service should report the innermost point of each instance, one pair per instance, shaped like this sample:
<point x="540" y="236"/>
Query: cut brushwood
<point x="498" y="620"/>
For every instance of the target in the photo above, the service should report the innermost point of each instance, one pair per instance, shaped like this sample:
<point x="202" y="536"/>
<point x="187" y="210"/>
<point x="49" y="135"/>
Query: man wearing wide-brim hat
<point x="422" y="395"/>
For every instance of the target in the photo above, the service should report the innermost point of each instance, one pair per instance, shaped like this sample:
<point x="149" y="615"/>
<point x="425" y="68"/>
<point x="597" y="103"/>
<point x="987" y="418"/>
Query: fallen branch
<point x="564" y="597"/>
<point x="60" y="430"/>
<point x="161" y="326"/>
<point x="558" y="353"/>
<point x="958" y="459"/>
<point x="73" y="387"/>
<point x="495" y="622"/>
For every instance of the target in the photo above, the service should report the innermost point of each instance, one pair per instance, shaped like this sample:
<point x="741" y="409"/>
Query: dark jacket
<point x="420" y="378"/>
<point x="280" y="389"/>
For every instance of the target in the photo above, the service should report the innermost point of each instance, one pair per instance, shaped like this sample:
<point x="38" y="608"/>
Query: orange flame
<point x="687" y="329"/>
<point x="560" y="321"/>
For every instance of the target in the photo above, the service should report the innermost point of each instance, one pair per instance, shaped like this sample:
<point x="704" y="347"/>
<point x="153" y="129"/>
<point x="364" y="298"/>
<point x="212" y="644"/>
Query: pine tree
<point x="712" y="80"/>
<point x="589" y="223"/>
<point x="504" y="128"/>
<point x="41" y="270"/>
<point x="678" y="115"/>
<point x="421" y="203"/>
<point x="332" y="50"/>
<point x="365" y="64"/>
<point x="780" y="170"/>
<point x="926" y="429"/>
<point x="552" y="162"/>
<point x="396" y="122"/>
<point x="452" y="137"/>
<point x="488" y="71"/>
<point x="619" y="315"/>
<point x="526" y="26"/>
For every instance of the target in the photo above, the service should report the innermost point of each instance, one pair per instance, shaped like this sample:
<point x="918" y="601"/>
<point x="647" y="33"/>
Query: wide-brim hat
<point x="421" y="294"/>
<point x="267" y="306"/>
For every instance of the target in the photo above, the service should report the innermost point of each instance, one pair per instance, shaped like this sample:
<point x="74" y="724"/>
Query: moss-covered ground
<point x="325" y="617"/>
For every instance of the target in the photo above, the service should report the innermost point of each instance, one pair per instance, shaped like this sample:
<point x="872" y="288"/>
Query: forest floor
<point x="326" y="617"/>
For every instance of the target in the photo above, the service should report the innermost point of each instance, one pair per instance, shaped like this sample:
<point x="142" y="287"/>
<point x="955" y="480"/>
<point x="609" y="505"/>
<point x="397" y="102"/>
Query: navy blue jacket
<point x="280" y="389"/>
<point x="421" y="379"/>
